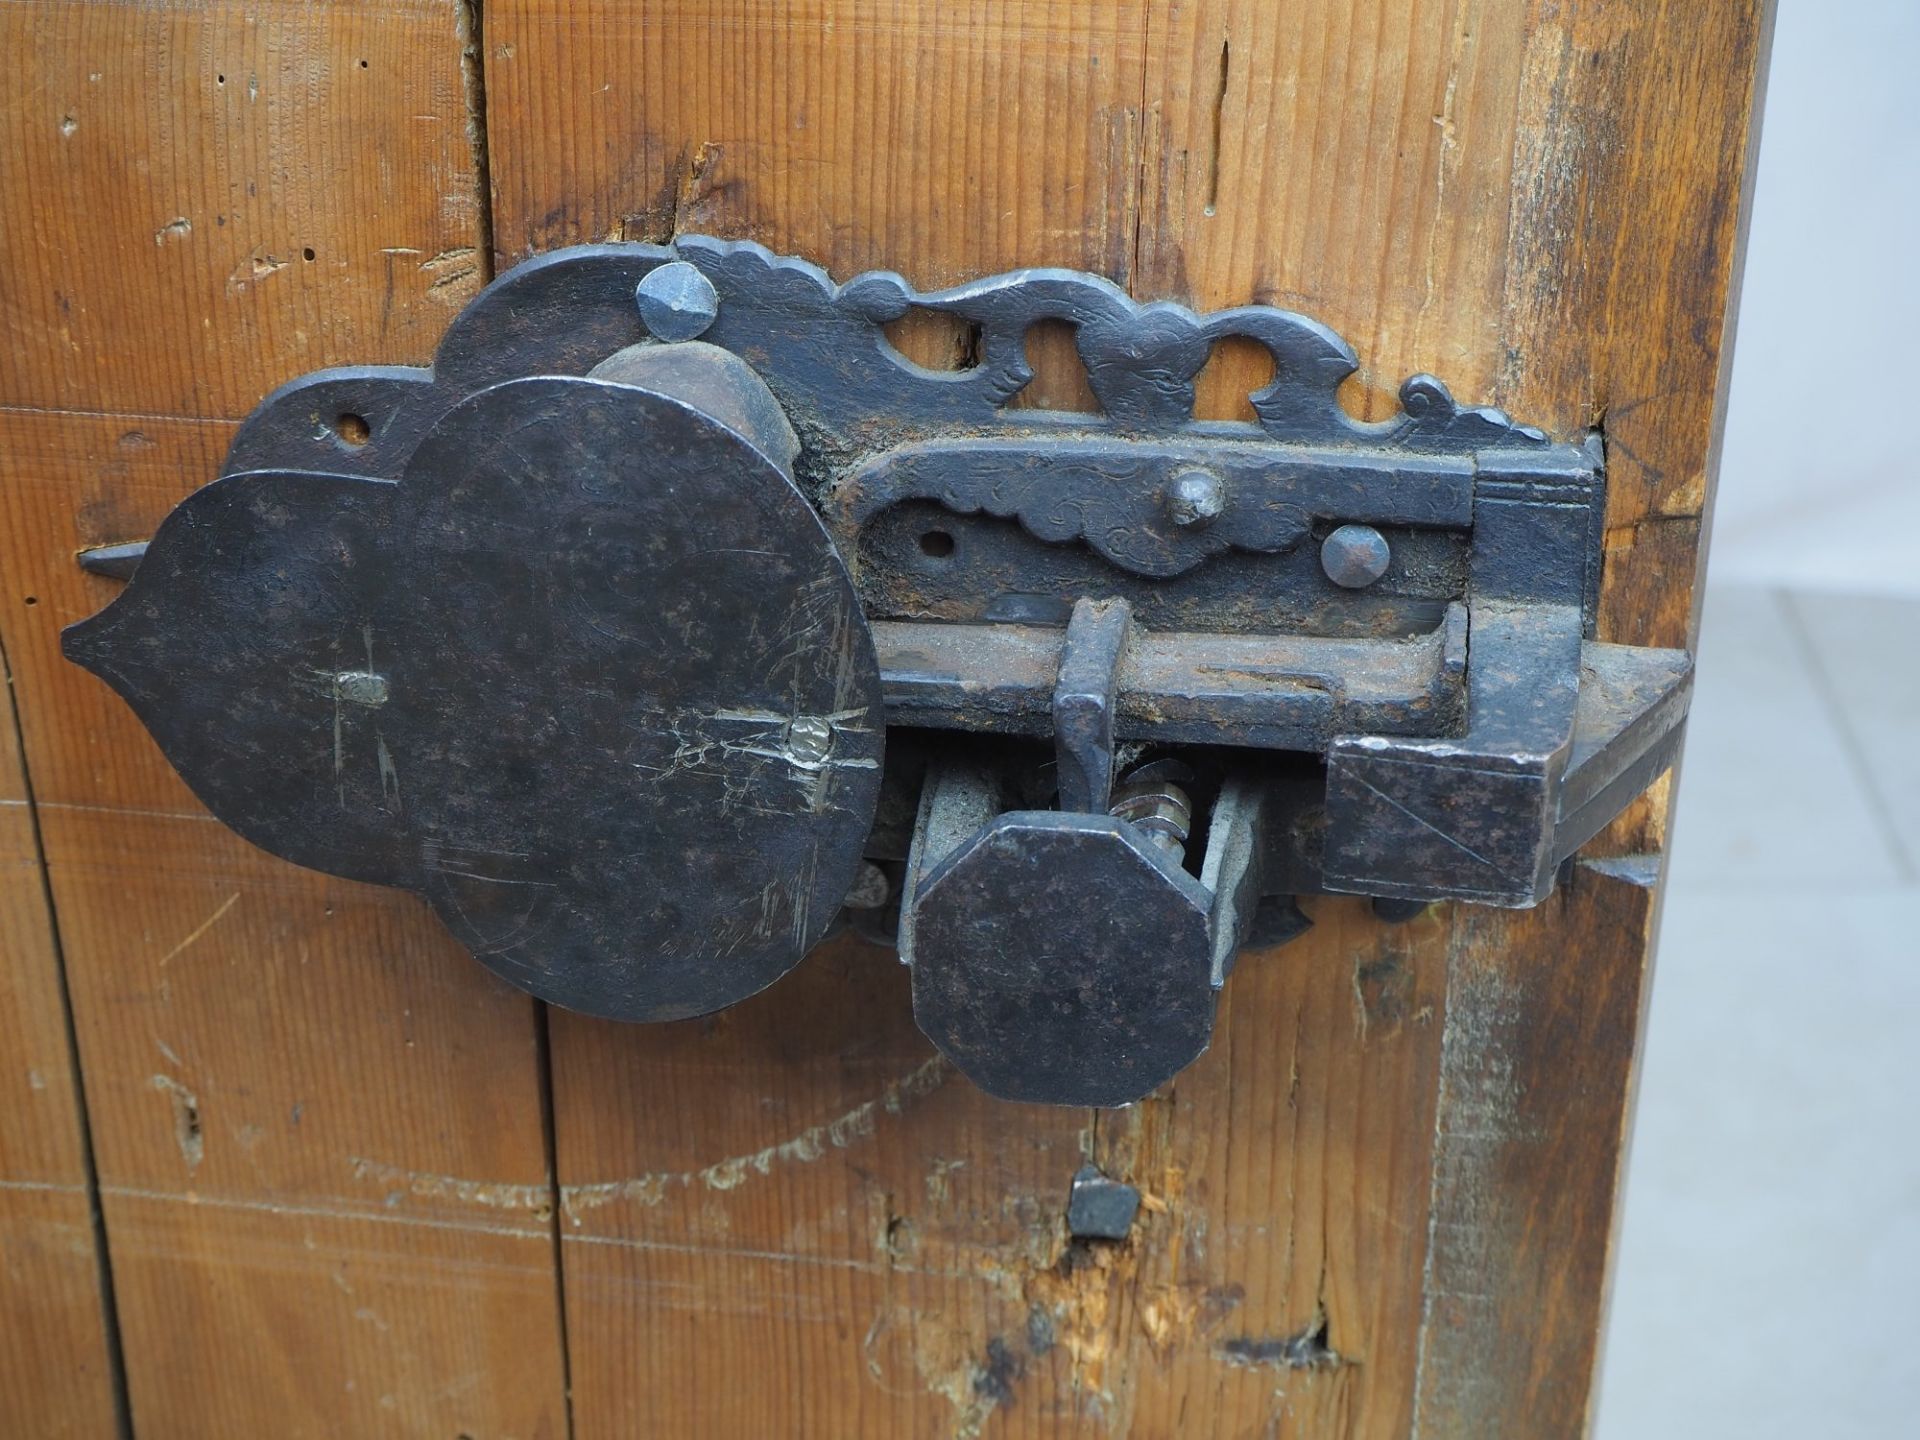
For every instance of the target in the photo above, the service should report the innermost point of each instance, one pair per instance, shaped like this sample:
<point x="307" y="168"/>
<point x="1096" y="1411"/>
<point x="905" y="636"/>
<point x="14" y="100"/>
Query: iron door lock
<point x="675" y="614"/>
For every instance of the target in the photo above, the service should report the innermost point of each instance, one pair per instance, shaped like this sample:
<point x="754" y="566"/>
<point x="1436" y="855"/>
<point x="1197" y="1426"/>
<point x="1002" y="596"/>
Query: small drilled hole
<point x="352" y="429"/>
<point x="307" y="254"/>
<point x="33" y="599"/>
<point x="363" y="64"/>
<point x="937" y="544"/>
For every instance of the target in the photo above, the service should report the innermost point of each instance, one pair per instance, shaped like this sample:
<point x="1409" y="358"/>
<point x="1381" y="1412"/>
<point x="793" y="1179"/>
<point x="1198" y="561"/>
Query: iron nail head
<point x="1195" y="498"/>
<point x="1354" y="556"/>
<point x="677" y="302"/>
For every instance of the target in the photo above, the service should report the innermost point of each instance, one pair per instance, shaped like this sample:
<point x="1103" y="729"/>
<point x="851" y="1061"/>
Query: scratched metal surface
<point x="586" y="658"/>
<point x="627" y="744"/>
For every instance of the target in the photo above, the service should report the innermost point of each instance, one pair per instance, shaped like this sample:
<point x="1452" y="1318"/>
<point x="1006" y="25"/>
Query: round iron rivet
<point x="1355" y="556"/>
<point x="1195" y="498"/>
<point x="677" y="301"/>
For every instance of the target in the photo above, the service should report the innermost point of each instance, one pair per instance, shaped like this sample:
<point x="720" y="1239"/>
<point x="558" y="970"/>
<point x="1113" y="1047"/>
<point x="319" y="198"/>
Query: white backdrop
<point x="1818" y="484"/>
<point x="1768" y="1273"/>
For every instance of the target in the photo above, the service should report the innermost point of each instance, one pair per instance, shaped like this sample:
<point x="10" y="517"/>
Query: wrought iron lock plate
<point x="674" y="610"/>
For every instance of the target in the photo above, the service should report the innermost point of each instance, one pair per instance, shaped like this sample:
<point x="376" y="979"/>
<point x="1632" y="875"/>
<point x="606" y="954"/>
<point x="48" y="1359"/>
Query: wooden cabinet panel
<point x="248" y="1317"/>
<point x="285" y="1073"/>
<point x="205" y="200"/>
<point x="1479" y="190"/>
<point x="345" y="1179"/>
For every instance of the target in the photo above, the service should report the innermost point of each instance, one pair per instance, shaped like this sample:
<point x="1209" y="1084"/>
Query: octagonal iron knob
<point x="1067" y="958"/>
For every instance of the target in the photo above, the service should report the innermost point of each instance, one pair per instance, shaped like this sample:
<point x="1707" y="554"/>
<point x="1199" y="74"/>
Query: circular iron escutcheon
<point x="634" y="707"/>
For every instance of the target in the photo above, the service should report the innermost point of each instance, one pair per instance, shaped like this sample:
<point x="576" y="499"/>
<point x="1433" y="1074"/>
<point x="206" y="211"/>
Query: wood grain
<point x="294" y="1083"/>
<point x="358" y="1324"/>
<point x="837" y="128"/>
<point x="318" y="1127"/>
<point x="1380" y="1206"/>
<point x="56" y="1368"/>
<point x="1632" y="191"/>
<point x="1352" y="162"/>
<point x="1279" y="1291"/>
<point x="1480" y="190"/>
<point x="802" y="1179"/>
<point x="1638" y="128"/>
<point x="209" y="199"/>
<point x="1534" y="1090"/>
<point x="68" y="482"/>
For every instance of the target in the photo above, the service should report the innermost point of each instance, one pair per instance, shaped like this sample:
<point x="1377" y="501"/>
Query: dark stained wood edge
<point x="1533" y="1088"/>
<point x="1716" y="443"/>
<point x="1729" y="336"/>
<point x="1541" y="1046"/>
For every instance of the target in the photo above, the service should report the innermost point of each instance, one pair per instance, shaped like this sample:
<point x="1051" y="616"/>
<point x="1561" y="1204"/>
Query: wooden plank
<point x="317" y="1125"/>
<point x="209" y="199"/>
<point x="1352" y="163"/>
<point x="1632" y="188"/>
<point x="721" y="117"/>
<point x="57" y="1374"/>
<point x="56" y="1368"/>
<point x="1534" y="1091"/>
<point x="1631" y="195"/>
<point x="296" y="1084"/>
<point x="361" y="1324"/>
<point x="1538" y="203"/>
<point x="1563" y="241"/>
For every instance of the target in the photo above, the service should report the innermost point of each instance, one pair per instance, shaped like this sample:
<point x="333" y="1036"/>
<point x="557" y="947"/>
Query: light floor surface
<point x="1768" y="1277"/>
